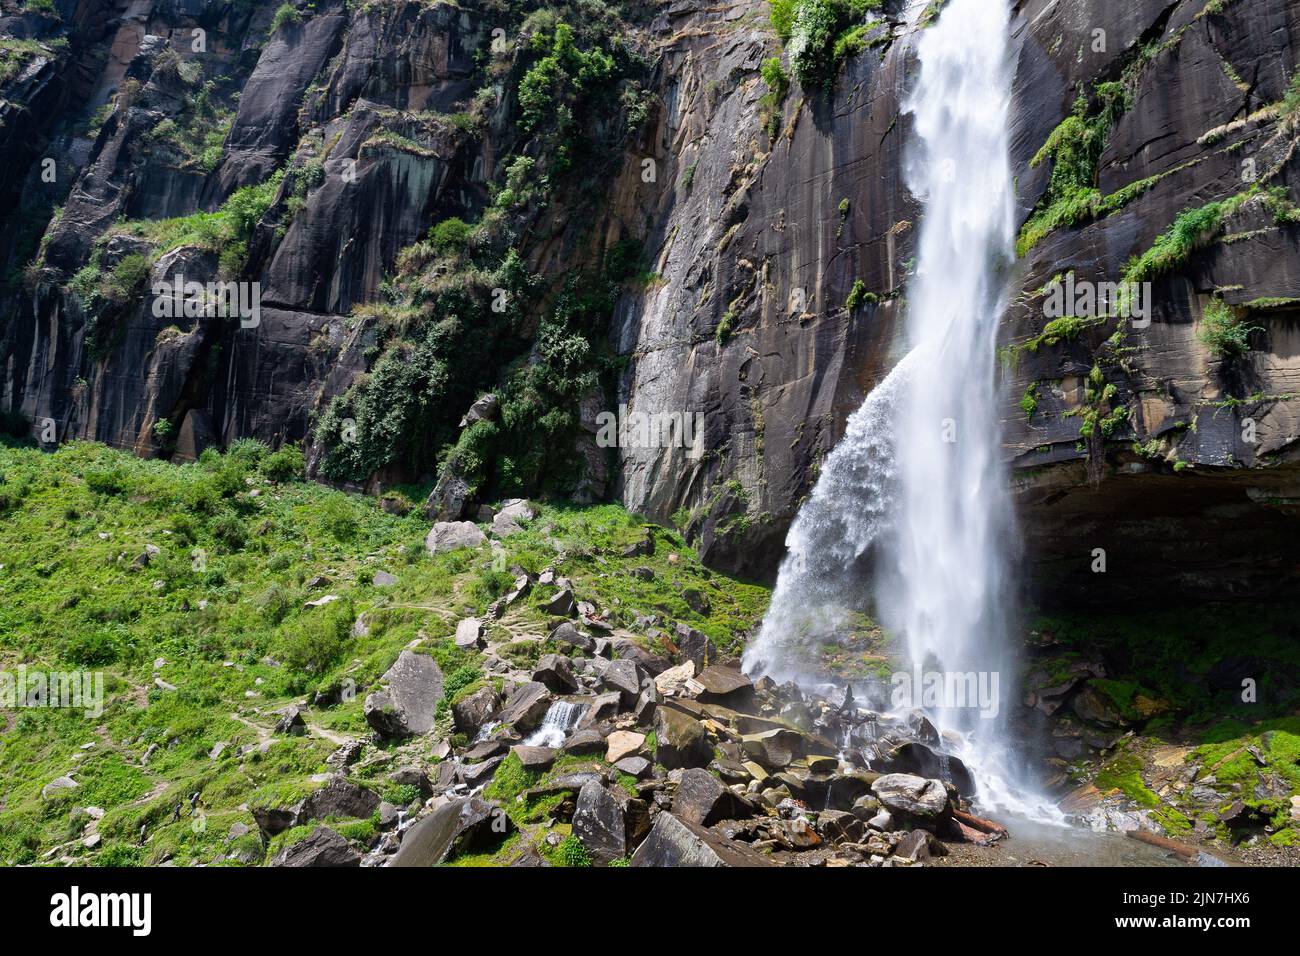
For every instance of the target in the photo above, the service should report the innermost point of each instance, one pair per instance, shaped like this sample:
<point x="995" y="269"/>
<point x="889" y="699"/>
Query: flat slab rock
<point x="675" y="842"/>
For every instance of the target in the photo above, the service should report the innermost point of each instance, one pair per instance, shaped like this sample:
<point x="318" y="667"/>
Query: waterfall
<point x="561" y="717"/>
<point x="911" y="506"/>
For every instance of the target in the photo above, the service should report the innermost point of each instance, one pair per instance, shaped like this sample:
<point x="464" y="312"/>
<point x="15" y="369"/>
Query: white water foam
<point x="912" y="505"/>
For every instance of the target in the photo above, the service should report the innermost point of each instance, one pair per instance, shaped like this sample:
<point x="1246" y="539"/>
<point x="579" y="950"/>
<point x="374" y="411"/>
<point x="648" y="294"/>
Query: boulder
<point x="484" y="409"/>
<point x="57" y="785"/>
<point x="453" y="827"/>
<point x="556" y="672"/>
<point x="474" y="710"/>
<point x="291" y="723"/>
<point x="566" y="633"/>
<point x="623" y="743"/>
<point x="676" y="842"/>
<point x="919" y="760"/>
<point x="774" y="748"/>
<point x="534" y="758"/>
<point x="450" y="535"/>
<point x="917" y="846"/>
<point x="603" y="707"/>
<point x="322" y="847"/>
<point x="697" y="601"/>
<point x="475" y="775"/>
<point x="469" y="634"/>
<point x="701" y="798"/>
<point x="673" y="681"/>
<point x="680" y="740"/>
<point x="911" y="796"/>
<point x="623" y="678"/>
<point x="694" y="645"/>
<point x="638" y="767"/>
<point x="512" y="517"/>
<point x="525" y="708"/>
<point x="561" y="605"/>
<point x="586" y="741"/>
<point x="599" y="824"/>
<point x="338" y="798"/>
<point x="409" y="705"/>
<point x="720" y="684"/>
<point x="1093" y="705"/>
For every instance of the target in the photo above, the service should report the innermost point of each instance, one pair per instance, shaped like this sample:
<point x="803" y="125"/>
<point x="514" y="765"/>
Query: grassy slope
<point x="223" y="605"/>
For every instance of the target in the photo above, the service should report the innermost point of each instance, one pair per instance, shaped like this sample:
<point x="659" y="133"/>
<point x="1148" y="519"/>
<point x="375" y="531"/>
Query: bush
<point x="1222" y="332"/>
<point x="285" y="14"/>
<point x="91" y="648"/>
<point x="286" y="463"/>
<point x="450" y="235"/>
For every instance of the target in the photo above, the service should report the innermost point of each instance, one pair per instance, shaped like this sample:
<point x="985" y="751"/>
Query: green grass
<point x="222" y="604"/>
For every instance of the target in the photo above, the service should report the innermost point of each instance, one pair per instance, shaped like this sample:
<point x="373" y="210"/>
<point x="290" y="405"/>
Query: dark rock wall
<point x="757" y="224"/>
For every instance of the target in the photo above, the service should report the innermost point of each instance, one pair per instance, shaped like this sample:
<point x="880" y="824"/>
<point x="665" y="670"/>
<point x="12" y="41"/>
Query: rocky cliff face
<point x="754" y="243"/>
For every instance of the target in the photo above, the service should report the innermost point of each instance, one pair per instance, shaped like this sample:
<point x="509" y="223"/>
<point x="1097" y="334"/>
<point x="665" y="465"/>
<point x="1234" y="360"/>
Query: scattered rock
<point x="701" y="798"/>
<point x="474" y="710"/>
<point x="409" y="705"/>
<point x="450" y="535"/>
<point x="566" y="633"/>
<point x="599" y="824"/>
<point x="561" y="605"/>
<point x="623" y="743"/>
<point x="525" y="708"/>
<point x="695" y="645"/>
<point x="454" y="826"/>
<point x="291" y="723"/>
<point x="534" y="758"/>
<point x="556" y="672"/>
<point x="469" y="633"/>
<point x="697" y="601"/>
<point x="323" y="847"/>
<point x="338" y="798"/>
<point x="680" y="740"/>
<point x="512" y="517"/>
<point x="673" y="681"/>
<point x="912" y="796"/>
<point x="676" y="842"/>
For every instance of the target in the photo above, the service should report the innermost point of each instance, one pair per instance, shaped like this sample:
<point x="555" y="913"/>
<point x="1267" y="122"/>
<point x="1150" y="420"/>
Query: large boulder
<point x="474" y="710"/>
<point x="774" y="748"/>
<point x="322" y="847"/>
<point x="680" y="740"/>
<point x="920" y="761"/>
<point x="566" y="633"/>
<point x="525" y="708"/>
<point x="556" y="672"/>
<point x="701" y="798"/>
<point x="598" y="823"/>
<point x="912" y="797"/>
<point x="469" y="634"/>
<point x="453" y="827"/>
<point x="338" y="798"/>
<point x="694" y="645"/>
<point x="450" y="535"/>
<point x="512" y="517"/>
<point x="409" y="705"/>
<point x="621" y="677"/>
<point x="676" y="842"/>
<point x="719" y="684"/>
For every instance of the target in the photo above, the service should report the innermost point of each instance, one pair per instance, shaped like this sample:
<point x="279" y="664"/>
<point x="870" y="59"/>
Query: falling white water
<point x="561" y="717"/>
<point x="912" y="505"/>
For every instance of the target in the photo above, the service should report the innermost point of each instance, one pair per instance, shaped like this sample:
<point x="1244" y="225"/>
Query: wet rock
<point x="1093" y="705"/>
<point x="556" y="672"/>
<point x="681" y="740"/>
<point x="409" y="705"/>
<point x="473" y="711"/>
<point x="525" y="708"/>
<point x="676" y="842"/>
<point x="919" y="760"/>
<point x="451" y="535"/>
<point x="454" y="827"/>
<point x="323" y="847"/>
<point x="912" y="796"/>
